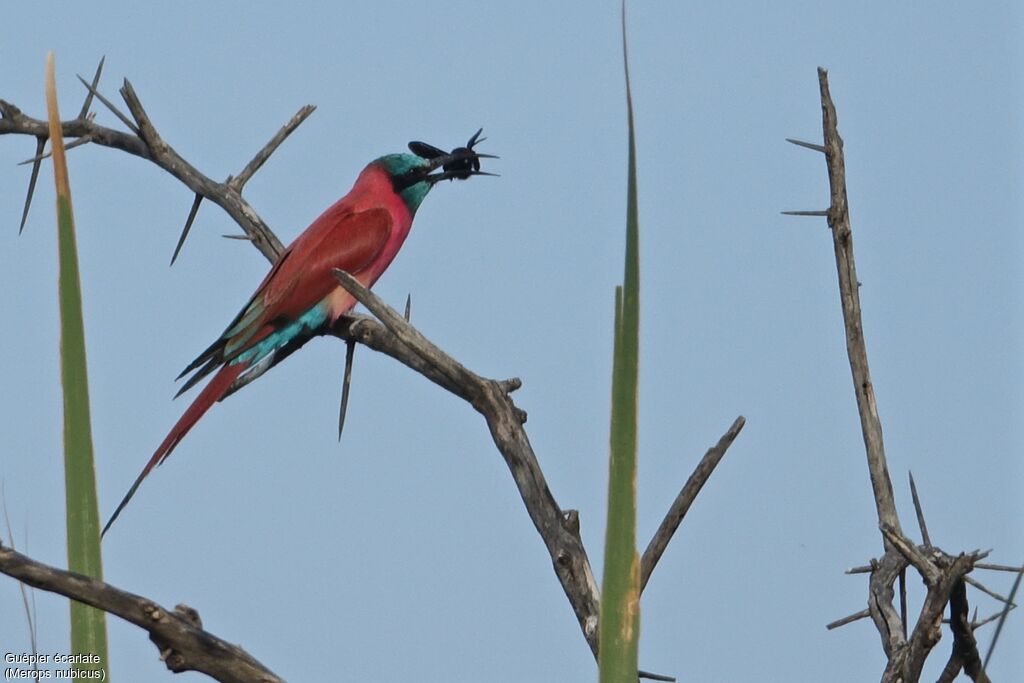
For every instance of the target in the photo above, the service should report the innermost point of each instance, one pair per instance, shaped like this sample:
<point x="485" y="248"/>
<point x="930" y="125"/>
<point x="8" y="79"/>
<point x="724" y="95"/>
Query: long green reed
<point x="88" y="625"/>
<point x="620" y="590"/>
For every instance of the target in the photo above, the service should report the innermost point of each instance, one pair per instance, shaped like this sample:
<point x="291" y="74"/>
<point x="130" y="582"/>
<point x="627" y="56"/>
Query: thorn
<point x="805" y="213"/>
<point x="903" y="600"/>
<point x="237" y="237"/>
<point x="988" y="591"/>
<point x="40" y="143"/>
<point x="124" y="119"/>
<point x="1002" y="619"/>
<point x="999" y="567"/>
<point x="848" y="620"/>
<point x="188" y="226"/>
<point x="807" y="145"/>
<point x="975" y="625"/>
<point x="46" y="155"/>
<point x="95" y="83"/>
<point x="350" y="352"/>
<point x="39" y="156"/>
<point x="408" y="306"/>
<point x="917" y="508"/>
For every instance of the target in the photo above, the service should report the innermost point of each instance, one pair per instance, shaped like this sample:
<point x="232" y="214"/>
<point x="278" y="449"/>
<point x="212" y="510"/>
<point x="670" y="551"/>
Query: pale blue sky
<point x="404" y="553"/>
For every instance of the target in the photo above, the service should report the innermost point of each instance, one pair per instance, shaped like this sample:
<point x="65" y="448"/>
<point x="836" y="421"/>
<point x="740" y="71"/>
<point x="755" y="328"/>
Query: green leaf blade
<point x="88" y="625"/>
<point x="620" y="592"/>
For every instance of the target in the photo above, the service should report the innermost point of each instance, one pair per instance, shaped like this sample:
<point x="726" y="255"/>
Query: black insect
<point x="462" y="168"/>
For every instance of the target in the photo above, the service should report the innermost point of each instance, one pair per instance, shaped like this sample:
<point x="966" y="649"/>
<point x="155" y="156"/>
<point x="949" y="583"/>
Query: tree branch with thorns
<point x="388" y="333"/>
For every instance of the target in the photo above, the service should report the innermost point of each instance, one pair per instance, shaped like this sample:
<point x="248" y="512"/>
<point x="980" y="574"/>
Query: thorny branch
<point x="146" y="143"/>
<point x="849" y="288"/>
<point x="559" y="529"/>
<point x="944" y="575"/>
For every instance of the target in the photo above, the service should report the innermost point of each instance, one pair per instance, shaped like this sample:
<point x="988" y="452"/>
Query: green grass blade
<point x="620" y="591"/>
<point x="88" y="625"/>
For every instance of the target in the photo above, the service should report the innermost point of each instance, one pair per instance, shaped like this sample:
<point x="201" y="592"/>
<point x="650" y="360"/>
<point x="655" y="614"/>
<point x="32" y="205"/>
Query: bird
<point x="300" y="298"/>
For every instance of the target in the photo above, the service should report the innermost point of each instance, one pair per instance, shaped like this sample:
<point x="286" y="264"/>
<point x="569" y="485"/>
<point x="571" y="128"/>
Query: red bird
<point x="300" y="298"/>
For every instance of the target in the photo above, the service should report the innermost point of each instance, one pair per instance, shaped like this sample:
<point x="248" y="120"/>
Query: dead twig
<point x="686" y="496"/>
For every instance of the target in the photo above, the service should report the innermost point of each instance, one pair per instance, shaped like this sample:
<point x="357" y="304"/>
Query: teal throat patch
<point x="408" y="174"/>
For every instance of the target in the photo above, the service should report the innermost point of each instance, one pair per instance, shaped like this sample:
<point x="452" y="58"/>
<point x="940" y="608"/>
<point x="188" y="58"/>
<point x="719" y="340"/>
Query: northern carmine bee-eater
<point x="300" y="298"/>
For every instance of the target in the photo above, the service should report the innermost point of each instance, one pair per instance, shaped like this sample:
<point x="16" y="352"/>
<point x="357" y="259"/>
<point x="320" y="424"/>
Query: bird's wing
<point x="339" y="238"/>
<point x="350" y="241"/>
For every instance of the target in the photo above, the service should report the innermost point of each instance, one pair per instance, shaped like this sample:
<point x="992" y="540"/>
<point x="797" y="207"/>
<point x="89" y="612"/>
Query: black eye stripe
<point x="406" y="180"/>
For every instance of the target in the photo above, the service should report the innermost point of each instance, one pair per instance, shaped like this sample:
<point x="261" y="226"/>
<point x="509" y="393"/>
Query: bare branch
<point x="912" y="554"/>
<point x="842" y="237"/>
<point x="559" y="529"/>
<point x="880" y="602"/>
<point x="942" y="573"/>
<point x="13" y="121"/>
<point x="927" y="631"/>
<point x="965" y="647"/>
<point x="473" y="384"/>
<point x="685" y="498"/>
<point x="176" y="633"/>
<point x="147" y="144"/>
<point x="239" y="181"/>
<point x="890" y="623"/>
